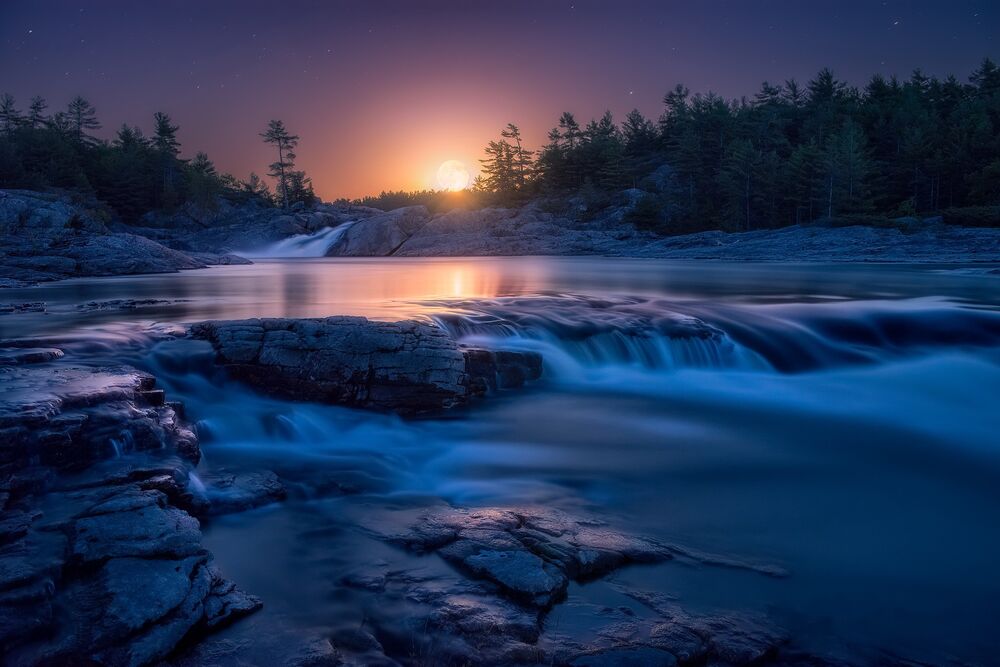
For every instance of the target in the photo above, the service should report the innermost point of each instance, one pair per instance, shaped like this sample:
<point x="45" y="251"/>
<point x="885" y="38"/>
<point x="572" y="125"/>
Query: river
<point x="841" y="422"/>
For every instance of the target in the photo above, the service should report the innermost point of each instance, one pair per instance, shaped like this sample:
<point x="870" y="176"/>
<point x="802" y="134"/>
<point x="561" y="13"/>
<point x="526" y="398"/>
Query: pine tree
<point x="640" y="139"/>
<point x="165" y="135"/>
<point x="737" y="181"/>
<point x="82" y="116"/>
<point x="256" y="187"/>
<point x="569" y="130"/>
<point x="848" y="168"/>
<point x="280" y="138"/>
<point x="499" y="174"/>
<point x="986" y="78"/>
<point x="300" y="188"/>
<point x="804" y="177"/>
<point x="129" y="138"/>
<point x="167" y="148"/>
<point x="36" y="112"/>
<point x="10" y="117"/>
<point x="522" y="157"/>
<point x="203" y="180"/>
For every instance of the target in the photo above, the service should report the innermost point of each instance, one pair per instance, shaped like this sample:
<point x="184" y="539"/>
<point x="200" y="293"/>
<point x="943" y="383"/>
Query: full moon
<point x="452" y="175"/>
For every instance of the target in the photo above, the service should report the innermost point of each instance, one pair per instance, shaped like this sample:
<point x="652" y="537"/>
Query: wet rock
<point x="132" y="525"/>
<point x="628" y="656"/>
<point x="522" y="574"/>
<point x="104" y="569"/>
<point x="228" y="492"/>
<point x="438" y="619"/>
<point x="22" y="307"/>
<point x="501" y="369"/>
<point x="28" y="355"/>
<point x="511" y="567"/>
<point x="68" y="416"/>
<point x="409" y="367"/>
<point x="100" y="560"/>
<point x="126" y="304"/>
<point x="405" y="366"/>
<point x="530" y="553"/>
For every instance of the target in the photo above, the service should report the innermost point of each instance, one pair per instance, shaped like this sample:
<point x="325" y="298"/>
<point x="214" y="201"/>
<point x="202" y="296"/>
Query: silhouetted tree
<point x="10" y="117"/>
<point x="285" y="142"/>
<point x="167" y="148"/>
<point x="36" y="112"/>
<point x="522" y="156"/>
<point x="81" y="116"/>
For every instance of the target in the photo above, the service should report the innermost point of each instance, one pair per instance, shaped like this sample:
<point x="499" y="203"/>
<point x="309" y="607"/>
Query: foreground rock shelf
<point x="100" y="552"/>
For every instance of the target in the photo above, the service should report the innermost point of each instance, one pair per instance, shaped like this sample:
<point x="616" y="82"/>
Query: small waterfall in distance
<point x="303" y="245"/>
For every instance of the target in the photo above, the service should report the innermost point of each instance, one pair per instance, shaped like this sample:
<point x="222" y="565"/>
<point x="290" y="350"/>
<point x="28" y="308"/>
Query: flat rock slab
<point x="530" y="553"/>
<point x="69" y="416"/>
<point x="126" y="304"/>
<point x="13" y="356"/>
<point x="21" y="307"/>
<point x="227" y="492"/>
<point x="409" y="367"/>
<point x="511" y="566"/>
<point x="103" y="568"/>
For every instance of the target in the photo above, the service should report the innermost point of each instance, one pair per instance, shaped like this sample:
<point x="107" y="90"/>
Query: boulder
<point x="408" y="367"/>
<point x="405" y="366"/>
<point x="380" y="235"/>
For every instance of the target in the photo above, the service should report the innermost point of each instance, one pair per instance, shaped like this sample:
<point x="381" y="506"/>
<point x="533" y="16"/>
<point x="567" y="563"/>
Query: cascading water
<point x="304" y="245"/>
<point x="574" y="333"/>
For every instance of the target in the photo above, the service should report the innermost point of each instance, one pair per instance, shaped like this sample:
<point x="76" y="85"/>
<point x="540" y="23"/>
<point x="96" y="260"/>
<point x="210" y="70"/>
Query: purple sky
<point x="381" y="93"/>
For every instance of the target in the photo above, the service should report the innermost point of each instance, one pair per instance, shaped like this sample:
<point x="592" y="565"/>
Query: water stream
<point x="838" y="421"/>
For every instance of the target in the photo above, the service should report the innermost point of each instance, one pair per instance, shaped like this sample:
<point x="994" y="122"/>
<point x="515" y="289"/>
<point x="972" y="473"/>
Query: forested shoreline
<point x="790" y="154"/>
<point x="133" y="173"/>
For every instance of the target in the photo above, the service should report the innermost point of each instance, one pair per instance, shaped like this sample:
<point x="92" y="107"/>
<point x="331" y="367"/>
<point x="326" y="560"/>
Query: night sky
<point x="381" y="93"/>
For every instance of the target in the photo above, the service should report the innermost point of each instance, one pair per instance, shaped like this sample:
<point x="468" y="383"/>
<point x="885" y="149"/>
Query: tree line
<point x="132" y="173"/>
<point x="789" y="154"/>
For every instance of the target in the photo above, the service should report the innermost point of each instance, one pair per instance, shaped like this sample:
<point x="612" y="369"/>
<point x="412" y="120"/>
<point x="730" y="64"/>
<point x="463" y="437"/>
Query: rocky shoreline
<point x="47" y="237"/>
<point x="100" y="543"/>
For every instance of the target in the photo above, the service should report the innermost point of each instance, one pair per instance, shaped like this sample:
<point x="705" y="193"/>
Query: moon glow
<point x="453" y="175"/>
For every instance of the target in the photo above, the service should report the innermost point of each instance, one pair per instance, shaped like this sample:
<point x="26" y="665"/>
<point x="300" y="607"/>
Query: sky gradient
<point x="381" y="93"/>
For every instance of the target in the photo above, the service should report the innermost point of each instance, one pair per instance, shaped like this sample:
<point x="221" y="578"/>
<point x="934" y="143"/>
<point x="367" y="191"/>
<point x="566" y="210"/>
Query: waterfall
<point x="573" y="334"/>
<point x="304" y="245"/>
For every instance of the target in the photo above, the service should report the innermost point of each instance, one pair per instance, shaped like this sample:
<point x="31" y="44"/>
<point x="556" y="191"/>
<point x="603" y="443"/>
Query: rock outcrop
<point x="47" y="237"/>
<point x="531" y="230"/>
<point x="247" y="227"/>
<point x="409" y="367"/>
<point x="69" y="416"/>
<point x="100" y="552"/>
<point x="511" y="566"/>
<point x="380" y="235"/>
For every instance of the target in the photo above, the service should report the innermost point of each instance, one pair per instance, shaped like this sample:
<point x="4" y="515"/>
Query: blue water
<point x="841" y="422"/>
